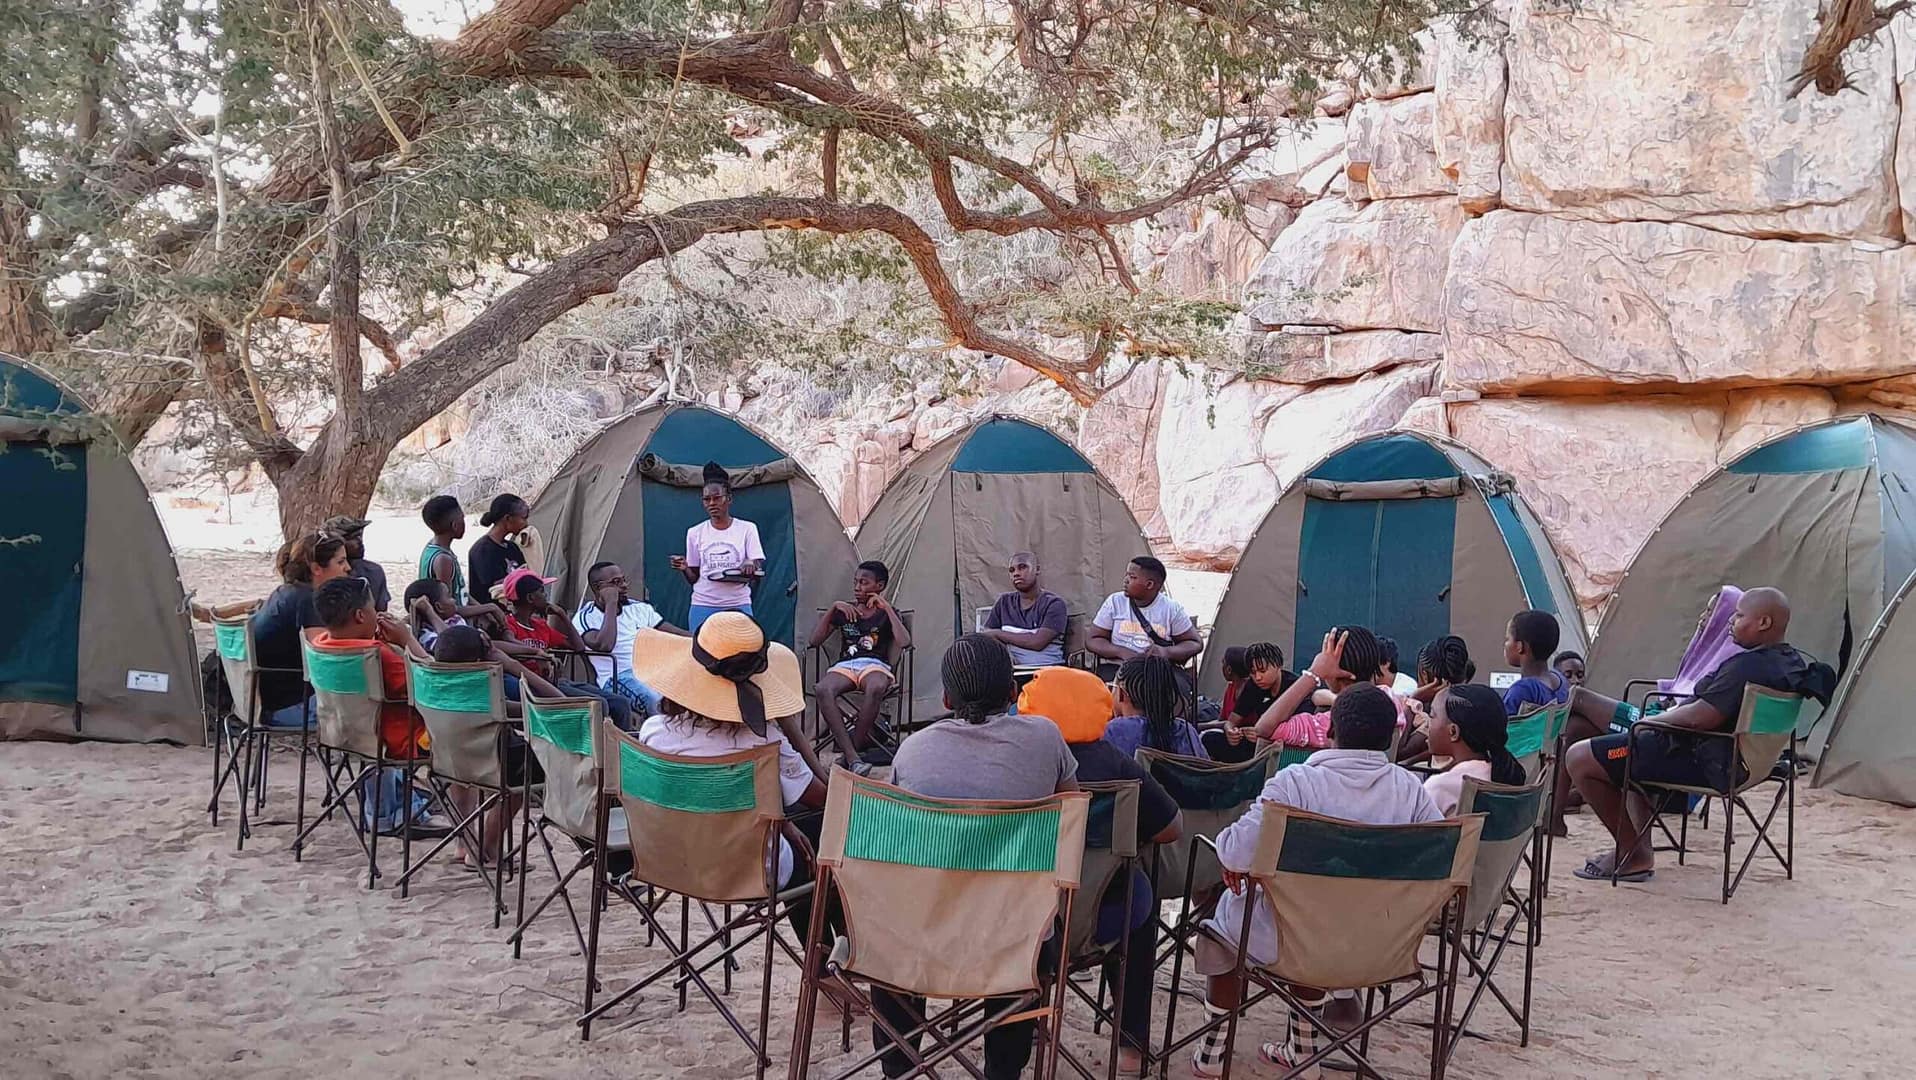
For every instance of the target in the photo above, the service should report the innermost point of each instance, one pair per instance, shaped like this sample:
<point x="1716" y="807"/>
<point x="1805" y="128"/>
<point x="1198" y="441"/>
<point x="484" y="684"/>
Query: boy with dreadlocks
<point x="1150" y="697"/>
<point x="984" y="751"/>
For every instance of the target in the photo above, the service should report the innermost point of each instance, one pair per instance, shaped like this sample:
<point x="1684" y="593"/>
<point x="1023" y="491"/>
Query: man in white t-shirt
<point x="723" y="556"/>
<point x="612" y="646"/>
<point x="1142" y="621"/>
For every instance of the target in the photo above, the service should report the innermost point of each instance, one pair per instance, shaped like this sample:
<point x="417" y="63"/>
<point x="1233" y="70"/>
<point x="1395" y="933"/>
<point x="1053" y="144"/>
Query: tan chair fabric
<point x="1201" y="817"/>
<point x="720" y="857"/>
<point x="571" y="797"/>
<point x="1500" y="848"/>
<point x="1110" y="844"/>
<point x="1350" y="932"/>
<point x="348" y="721"/>
<point x="465" y="745"/>
<point x="941" y="932"/>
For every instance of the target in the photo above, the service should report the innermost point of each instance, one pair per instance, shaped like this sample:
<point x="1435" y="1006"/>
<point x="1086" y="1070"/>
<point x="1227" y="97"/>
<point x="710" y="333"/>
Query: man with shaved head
<point x="1595" y="764"/>
<point x="1028" y="620"/>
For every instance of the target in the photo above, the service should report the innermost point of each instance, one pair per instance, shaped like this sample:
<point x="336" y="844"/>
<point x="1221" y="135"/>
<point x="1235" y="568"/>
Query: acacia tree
<point x="184" y="185"/>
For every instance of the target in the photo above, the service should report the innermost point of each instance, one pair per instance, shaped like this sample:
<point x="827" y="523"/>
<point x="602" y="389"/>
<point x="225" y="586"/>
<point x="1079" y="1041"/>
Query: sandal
<point x="1593" y="870"/>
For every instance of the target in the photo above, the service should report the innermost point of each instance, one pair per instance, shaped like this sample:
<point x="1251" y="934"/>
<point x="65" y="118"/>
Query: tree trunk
<point x="336" y="476"/>
<point x="25" y="328"/>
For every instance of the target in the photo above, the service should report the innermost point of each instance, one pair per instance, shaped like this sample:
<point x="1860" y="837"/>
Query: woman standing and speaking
<point x="723" y="557"/>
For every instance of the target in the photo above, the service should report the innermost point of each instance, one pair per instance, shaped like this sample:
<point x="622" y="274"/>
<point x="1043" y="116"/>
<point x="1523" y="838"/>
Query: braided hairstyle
<point x="1477" y="712"/>
<point x="978" y="680"/>
<point x="714" y="473"/>
<point x="1151" y="682"/>
<point x="1363" y="655"/>
<point x="1446" y="659"/>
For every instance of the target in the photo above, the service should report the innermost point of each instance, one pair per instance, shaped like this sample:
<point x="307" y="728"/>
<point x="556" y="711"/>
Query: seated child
<point x="1569" y="665"/>
<point x="1468" y="726"/>
<point x="1080" y="704"/>
<point x="1150" y="696"/>
<point x="1260" y="678"/>
<point x="1442" y="662"/>
<point x="468" y="645"/>
<point x="429" y="610"/>
<point x="1355" y="781"/>
<point x="1350" y="656"/>
<point x="870" y="631"/>
<point x="1400" y="684"/>
<point x="535" y="620"/>
<point x="1528" y="643"/>
<point x="345" y="606"/>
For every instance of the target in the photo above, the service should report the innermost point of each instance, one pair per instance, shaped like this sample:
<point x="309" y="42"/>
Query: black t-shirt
<point x="276" y="627"/>
<point x="1778" y="667"/>
<point x="374" y="575"/>
<point x="1102" y="761"/>
<point x="487" y="564"/>
<point x="1251" y="701"/>
<point x="867" y="637"/>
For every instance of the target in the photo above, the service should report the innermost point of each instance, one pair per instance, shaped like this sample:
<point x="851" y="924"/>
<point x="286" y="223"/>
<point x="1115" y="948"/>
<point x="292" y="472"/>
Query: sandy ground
<point x="136" y="942"/>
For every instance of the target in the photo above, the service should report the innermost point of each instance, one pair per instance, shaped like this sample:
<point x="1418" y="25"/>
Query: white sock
<point x="1211" y="1050"/>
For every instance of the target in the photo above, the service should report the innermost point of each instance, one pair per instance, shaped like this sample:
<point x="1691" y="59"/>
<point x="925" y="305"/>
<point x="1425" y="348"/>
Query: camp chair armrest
<point x="1677" y="729"/>
<point x="1651" y="691"/>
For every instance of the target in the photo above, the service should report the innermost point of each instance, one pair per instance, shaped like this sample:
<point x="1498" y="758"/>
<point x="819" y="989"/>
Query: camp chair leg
<point x="599" y="829"/>
<point x="685" y="922"/>
<point x="799" y="1065"/>
<point x="499" y="858"/>
<point x="525" y="866"/>
<point x="560" y="892"/>
<point x="245" y="776"/>
<point x="299" y="823"/>
<point x="1729" y="822"/>
<point x="765" y="988"/>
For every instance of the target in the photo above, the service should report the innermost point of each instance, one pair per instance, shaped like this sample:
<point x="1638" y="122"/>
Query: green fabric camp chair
<point x="561" y="733"/>
<point x="944" y="898"/>
<point x="464" y="707"/>
<point x="348" y="696"/>
<point x="895" y="719"/>
<point x="1353" y="904"/>
<point x="1765" y="728"/>
<point x="241" y="736"/>
<point x="1110" y="857"/>
<point x="1535" y="739"/>
<point x="1210" y="795"/>
<point x="1496" y="914"/>
<point x="706" y="828"/>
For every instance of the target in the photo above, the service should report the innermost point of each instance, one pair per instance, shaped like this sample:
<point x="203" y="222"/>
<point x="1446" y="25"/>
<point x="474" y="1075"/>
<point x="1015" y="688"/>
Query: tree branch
<point x="342" y="234"/>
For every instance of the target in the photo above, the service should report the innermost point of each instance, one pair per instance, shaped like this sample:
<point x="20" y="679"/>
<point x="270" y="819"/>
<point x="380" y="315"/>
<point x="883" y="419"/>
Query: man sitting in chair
<point x="1142" y="621"/>
<point x="1595" y="764"/>
<point x="1029" y="621"/>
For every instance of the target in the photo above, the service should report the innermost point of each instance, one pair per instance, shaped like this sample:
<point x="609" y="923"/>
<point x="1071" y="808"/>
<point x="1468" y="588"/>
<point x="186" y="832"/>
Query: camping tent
<point x="1872" y="729"/>
<point x="1403" y="532"/>
<point x="95" y="641"/>
<point x="1827" y="513"/>
<point x="948" y="525"/>
<point x="630" y="493"/>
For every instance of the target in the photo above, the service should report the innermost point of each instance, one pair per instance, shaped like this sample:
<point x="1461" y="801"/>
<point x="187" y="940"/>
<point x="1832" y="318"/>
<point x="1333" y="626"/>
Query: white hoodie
<point x="1355" y="785"/>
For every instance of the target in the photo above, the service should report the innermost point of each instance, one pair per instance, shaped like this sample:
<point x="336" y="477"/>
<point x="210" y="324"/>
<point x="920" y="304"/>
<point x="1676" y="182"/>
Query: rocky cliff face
<point x="1597" y="242"/>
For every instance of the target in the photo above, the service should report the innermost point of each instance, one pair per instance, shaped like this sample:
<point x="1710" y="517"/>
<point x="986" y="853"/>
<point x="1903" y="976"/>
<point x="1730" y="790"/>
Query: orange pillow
<point x="1072" y="698"/>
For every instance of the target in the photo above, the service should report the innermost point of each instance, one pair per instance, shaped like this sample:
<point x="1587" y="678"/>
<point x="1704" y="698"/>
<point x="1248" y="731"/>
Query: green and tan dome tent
<point x="948" y="525"/>
<point x="629" y="494"/>
<point x="1406" y="533"/>
<point x="1871" y="749"/>
<point x="95" y="642"/>
<point x="1827" y="513"/>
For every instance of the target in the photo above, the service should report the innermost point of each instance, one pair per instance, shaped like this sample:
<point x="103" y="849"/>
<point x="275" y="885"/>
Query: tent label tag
<point x="153" y="682"/>
<point x="1503" y="680"/>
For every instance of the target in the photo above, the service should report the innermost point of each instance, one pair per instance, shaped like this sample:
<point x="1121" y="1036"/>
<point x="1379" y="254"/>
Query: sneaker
<point x="428" y="826"/>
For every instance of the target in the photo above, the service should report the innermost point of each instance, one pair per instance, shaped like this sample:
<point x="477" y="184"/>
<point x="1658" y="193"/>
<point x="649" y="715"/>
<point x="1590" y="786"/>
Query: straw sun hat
<point x="728" y="673"/>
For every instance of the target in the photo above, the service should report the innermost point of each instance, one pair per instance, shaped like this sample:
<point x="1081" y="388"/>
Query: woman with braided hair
<point x="983" y="751"/>
<point x="1150" y="699"/>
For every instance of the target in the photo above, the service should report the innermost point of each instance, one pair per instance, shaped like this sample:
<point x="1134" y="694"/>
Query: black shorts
<point x="1663" y="757"/>
<point x="519" y="759"/>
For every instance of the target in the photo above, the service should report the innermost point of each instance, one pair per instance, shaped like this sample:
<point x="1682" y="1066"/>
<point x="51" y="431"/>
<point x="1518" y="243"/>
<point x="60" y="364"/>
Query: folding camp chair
<point x="464" y="707"/>
<point x="1496" y="915"/>
<point x="708" y="829"/>
<point x="1765" y="728"/>
<point x="944" y="898"/>
<point x="561" y="734"/>
<point x="894" y="717"/>
<point x="348" y="696"/>
<point x="243" y="734"/>
<point x="1076" y="653"/>
<point x="1110" y="857"/>
<point x="1535" y="739"/>
<point x="1210" y="795"/>
<point x="1352" y="905"/>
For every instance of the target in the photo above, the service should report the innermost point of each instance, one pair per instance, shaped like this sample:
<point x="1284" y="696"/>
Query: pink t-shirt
<point x="712" y="551"/>
<point x="1313" y="730"/>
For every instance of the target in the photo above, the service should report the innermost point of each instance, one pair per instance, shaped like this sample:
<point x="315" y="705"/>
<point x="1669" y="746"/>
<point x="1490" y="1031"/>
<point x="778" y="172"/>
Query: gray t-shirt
<point x="1006" y="757"/>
